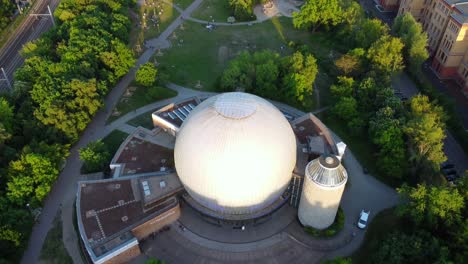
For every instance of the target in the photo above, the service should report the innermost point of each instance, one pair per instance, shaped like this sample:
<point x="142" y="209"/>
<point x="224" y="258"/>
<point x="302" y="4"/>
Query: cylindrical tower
<point x="324" y="181"/>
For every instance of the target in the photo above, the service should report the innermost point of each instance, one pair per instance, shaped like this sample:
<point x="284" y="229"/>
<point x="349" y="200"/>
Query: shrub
<point x="332" y="230"/>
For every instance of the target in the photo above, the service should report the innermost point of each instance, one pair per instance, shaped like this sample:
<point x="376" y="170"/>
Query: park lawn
<point x="137" y="34"/>
<point x="53" y="250"/>
<point x="140" y="97"/>
<point x="384" y="223"/>
<point x="182" y="3"/>
<point x="213" y="9"/>
<point x="144" y="120"/>
<point x="169" y="14"/>
<point x="200" y="55"/>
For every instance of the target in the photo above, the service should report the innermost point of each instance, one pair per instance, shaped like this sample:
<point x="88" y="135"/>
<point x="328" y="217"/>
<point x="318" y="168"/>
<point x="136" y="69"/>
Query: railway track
<point x="31" y="28"/>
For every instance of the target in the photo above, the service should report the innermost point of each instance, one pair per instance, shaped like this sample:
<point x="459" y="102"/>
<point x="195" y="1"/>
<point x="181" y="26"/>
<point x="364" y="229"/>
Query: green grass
<point x="143" y="120"/>
<point x="53" y="249"/>
<point x="332" y="230"/>
<point x="140" y="97"/>
<point x="182" y="3"/>
<point x="168" y="15"/>
<point x="213" y="9"/>
<point x="203" y="55"/>
<point x="114" y="140"/>
<point x="384" y="223"/>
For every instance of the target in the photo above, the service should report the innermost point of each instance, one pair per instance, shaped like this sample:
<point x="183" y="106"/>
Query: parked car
<point x="363" y="217"/>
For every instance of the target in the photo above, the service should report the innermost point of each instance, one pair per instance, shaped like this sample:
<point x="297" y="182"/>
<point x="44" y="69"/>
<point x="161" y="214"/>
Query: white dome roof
<point x="235" y="153"/>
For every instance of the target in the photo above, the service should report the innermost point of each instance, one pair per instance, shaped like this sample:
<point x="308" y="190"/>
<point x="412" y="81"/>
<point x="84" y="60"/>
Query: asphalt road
<point x="31" y="28"/>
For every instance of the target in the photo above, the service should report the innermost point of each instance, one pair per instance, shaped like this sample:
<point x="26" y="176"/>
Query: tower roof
<point x="327" y="171"/>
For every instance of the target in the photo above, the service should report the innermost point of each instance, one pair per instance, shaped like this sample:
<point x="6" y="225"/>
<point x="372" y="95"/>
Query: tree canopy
<point x="425" y="130"/>
<point x="146" y="74"/>
<point x="430" y="205"/>
<point x="95" y="156"/>
<point x="265" y="73"/>
<point x="315" y="13"/>
<point x="415" y="40"/>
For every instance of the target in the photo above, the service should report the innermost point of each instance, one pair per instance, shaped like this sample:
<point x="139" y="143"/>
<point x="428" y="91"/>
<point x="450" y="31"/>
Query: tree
<point x="425" y="131"/>
<point x="6" y="115"/>
<point x="419" y="247"/>
<point x="242" y="9"/>
<point x="385" y="55"/>
<point x="386" y="132"/>
<point x="435" y="207"/>
<point x="30" y="178"/>
<point x="344" y="87"/>
<point x="348" y="64"/>
<point x="95" y="156"/>
<point x="316" y="13"/>
<point x="415" y="40"/>
<point x="146" y="74"/>
<point x="71" y="110"/>
<point x="6" y="11"/>
<point x="369" y="31"/>
<point x="300" y="73"/>
<point x="346" y="108"/>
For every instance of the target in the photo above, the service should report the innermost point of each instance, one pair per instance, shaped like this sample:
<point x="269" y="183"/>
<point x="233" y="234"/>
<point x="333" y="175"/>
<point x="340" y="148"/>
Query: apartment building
<point x="446" y="24"/>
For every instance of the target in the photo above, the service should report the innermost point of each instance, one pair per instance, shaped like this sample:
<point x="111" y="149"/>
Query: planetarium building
<point x="232" y="160"/>
<point x="235" y="154"/>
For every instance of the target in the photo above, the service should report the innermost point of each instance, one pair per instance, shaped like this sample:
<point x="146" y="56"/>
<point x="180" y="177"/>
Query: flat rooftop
<point x="109" y="209"/>
<point x="178" y="112"/>
<point x="141" y="156"/>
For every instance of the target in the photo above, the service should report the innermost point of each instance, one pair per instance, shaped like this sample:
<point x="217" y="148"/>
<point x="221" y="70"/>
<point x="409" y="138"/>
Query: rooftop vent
<point x="301" y="128"/>
<point x="134" y="158"/>
<point x="124" y="218"/>
<point x="162" y="184"/>
<point x="146" y="188"/>
<point x="117" y="186"/>
<point x="90" y="213"/>
<point x="121" y="202"/>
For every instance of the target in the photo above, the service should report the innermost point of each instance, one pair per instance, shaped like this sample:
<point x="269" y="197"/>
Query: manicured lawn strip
<point x="53" y="249"/>
<point x="114" y="140"/>
<point x="384" y="223"/>
<point x="213" y="9"/>
<point x="143" y="120"/>
<point x="203" y="55"/>
<point x="141" y="97"/>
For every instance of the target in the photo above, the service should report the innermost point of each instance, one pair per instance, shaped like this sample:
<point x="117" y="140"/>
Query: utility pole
<point x="5" y="78"/>
<point x="49" y="14"/>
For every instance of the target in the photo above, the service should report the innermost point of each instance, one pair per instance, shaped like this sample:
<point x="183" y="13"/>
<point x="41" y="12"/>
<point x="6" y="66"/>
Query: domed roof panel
<point x="235" y="153"/>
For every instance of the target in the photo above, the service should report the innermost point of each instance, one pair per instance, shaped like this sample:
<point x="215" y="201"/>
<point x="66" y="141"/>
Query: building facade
<point x="446" y="24"/>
